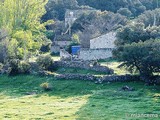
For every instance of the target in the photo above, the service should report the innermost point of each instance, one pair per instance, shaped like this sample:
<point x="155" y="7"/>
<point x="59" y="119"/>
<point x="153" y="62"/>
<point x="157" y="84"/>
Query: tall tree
<point x="135" y="6"/>
<point x="56" y="9"/>
<point x="96" y="23"/>
<point x="137" y="48"/>
<point x="150" y="18"/>
<point x="22" y="20"/>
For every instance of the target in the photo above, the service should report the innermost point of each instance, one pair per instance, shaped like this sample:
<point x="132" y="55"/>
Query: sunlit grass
<point x="41" y="107"/>
<point x="114" y="65"/>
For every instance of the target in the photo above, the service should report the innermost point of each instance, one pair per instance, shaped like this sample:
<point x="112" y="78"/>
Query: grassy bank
<point x="74" y="99"/>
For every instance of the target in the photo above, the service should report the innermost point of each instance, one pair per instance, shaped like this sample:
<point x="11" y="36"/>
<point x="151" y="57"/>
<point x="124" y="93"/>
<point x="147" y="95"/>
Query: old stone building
<point x="63" y="40"/>
<point x="101" y="47"/>
<point x="72" y="15"/>
<point x="103" y="41"/>
<point x="57" y="45"/>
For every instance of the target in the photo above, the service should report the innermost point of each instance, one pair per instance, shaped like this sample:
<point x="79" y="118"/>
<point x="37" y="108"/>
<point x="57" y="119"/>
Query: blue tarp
<point x="75" y="49"/>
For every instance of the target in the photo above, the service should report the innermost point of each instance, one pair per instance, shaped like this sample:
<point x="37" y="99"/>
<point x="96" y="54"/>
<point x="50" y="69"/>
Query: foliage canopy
<point x="22" y="21"/>
<point x="138" y="47"/>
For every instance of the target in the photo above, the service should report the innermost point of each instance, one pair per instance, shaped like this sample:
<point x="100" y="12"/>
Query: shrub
<point x="1" y="67"/>
<point x="2" y="56"/>
<point x="18" y="67"/>
<point x="24" y="67"/>
<point x="45" y="62"/>
<point x="45" y="48"/>
<point x="13" y="66"/>
<point x="46" y="86"/>
<point x="55" y="54"/>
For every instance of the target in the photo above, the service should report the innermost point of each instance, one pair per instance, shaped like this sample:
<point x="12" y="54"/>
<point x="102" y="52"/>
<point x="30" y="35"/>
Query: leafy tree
<point x="22" y="20"/>
<point x="141" y="56"/>
<point x="125" y="12"/>
<point x="75" y="38"/>
<point x="150" y="18"/>
<point x="136" y="32"/>
<point x="135" y="6"/>
<point x="96" y="23"/>
<point x="108" y="5"/>
<point x="148" y="4"/>
<point x="56" y="9"/>
<point x="45" y="62"/>
<point x="137" y="48"/>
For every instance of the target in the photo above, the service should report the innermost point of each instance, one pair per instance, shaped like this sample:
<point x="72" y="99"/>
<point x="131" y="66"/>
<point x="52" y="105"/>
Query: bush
<point x="24" y="67"/>
<point x="55" y="54"/>
<point x="45" y="62"/>
<point x="2" y="56"/>
<point x="13" y="66"/>
<point x="18" y="67"/>
<point x="143" y="57"/>
<point x="45" y="48"/>
<point x="46" y="86"/>
<point x="1" y="67"/>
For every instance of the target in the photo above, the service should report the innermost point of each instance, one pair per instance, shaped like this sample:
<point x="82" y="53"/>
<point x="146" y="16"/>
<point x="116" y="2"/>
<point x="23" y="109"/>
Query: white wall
<point x="55" y="49"/>
<point x="64" y="55"/>
<point x="95" y="54"/>
<point x="104" y="41"/>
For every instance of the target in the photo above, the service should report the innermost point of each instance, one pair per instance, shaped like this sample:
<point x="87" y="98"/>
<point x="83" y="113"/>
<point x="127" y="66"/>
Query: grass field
<point x="78" y="70"/>
<point x="114" y="65"/>
<point x="74" y="99"/>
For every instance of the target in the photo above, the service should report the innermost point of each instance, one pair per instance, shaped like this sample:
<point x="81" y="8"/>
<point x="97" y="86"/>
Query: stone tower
<point x="72" y="15"/>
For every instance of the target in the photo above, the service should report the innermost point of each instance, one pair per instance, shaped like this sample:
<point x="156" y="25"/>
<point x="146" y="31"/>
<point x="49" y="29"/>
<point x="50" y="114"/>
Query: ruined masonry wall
<point x="94" y="54"/>
<point x="103" y="41"/>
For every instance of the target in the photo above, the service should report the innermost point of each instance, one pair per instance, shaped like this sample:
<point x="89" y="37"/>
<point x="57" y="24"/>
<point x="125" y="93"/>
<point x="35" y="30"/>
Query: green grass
<point x="78" y="70"/>
<point x="114" y="65"/>
<point x="74" y="99"/>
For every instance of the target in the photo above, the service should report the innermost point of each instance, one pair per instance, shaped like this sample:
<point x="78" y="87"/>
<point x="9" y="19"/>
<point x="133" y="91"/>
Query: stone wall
<point x="100" y="47"/>
<point x="65" y="55"/>
<point x="96" y="79"/>
<point x="55" y="49"/>
<point x="88" y="65"/>
<point x="95" y="54"/>
<point x="56" y="45"/>
<point x="76" y="77"/>
<point x="120" y="78"/>
<point x="103" y="41"/>
<point x="106" y="79"/>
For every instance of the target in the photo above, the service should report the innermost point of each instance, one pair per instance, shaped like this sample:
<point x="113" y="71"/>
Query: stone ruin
<point x="88" y="65"/>
<point x="101" y="47"/>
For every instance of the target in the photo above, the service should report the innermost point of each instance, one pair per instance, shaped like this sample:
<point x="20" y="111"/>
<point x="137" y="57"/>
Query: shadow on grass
<point x="114" y="104"/>
<point x="18" y="86"/>
<point x="63" y="70"/>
